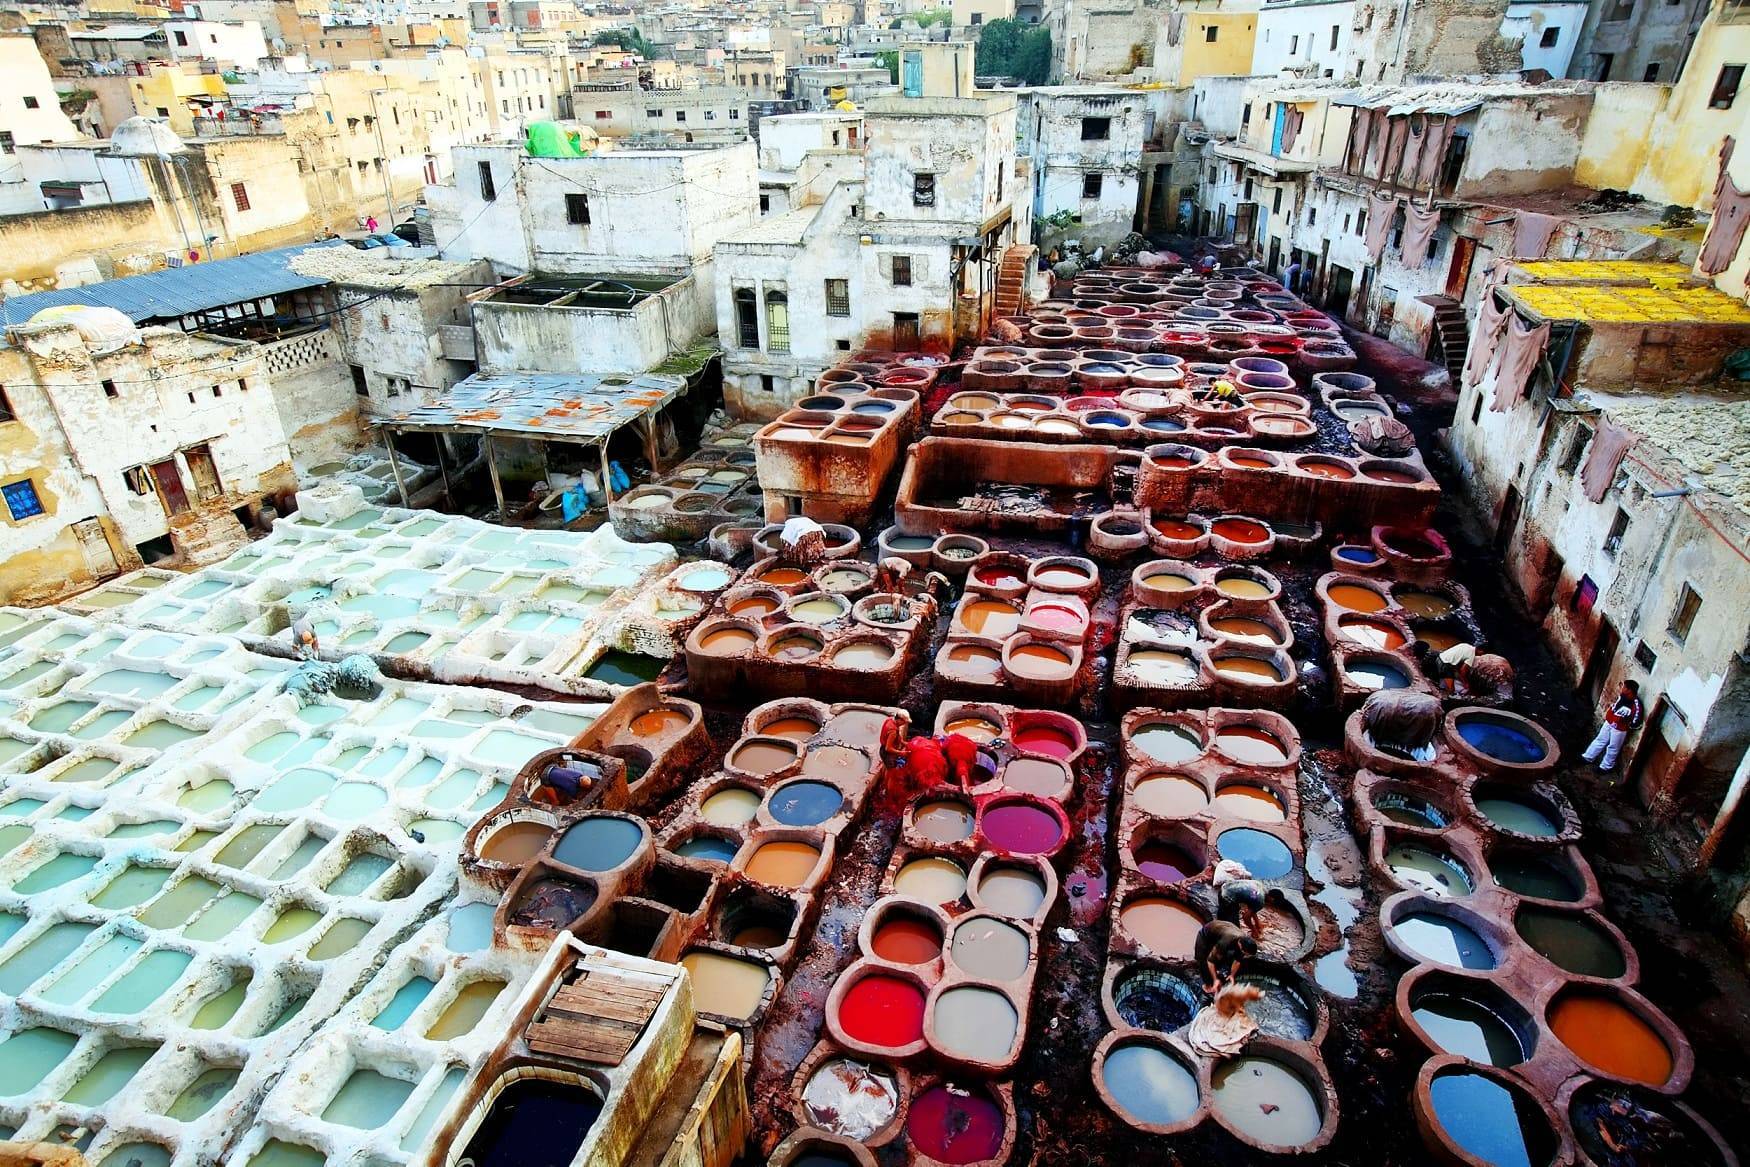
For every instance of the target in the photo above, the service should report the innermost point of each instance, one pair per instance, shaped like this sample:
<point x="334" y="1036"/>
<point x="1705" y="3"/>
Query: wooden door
<point x="169" y="483"/>
<point x="1464" y="251"/>
<point x="99" y="555"/>
<point x="206" y="474"/>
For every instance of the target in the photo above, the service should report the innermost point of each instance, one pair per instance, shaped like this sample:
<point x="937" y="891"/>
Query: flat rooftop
<point x="1619" y="292"/>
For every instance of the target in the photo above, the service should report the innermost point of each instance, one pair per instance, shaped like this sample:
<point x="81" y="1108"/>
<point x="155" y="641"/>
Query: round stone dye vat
<point x="1151" y="1086"/>
<point x="1267" y="1101"/>
<point x="1499" y="736"/>
<point x="1170" y="796"/>
<point x="906" y="938"/>
<point x="1426" y="870"/>
<point x="1285" y="1007"/>
<point x="1355" y="597"/>
<point x="786" y="863"/>
<point x="884" y="1011"/>
<point x="598" y="844"/>
<point x="1157" y="666"/>
<point x="1019" y="827"/>
<point x="793" y="727"/>
<point x="1573" y="941"/>
<point x="1489" y="1119"/>
<point x="850" y="1097"/>
<point x="1603" y="1032"/>
<point x="1471" y="1019"/>
<point x="944" y="820"/>
<point x="974" y="660"/>
<point x="1512" y="812"/>
<point x="727" y="985"/>
<point x="1259" y="852"/>
<point x="1044" y="738"/>
<point x="931" y="879"/>
<point x="763" y="755"/>
<point x="1375" y="674"/>
<point x="1410" y="810"/>
<point x="1011" y="889"/>
<point x="956" y="1124"/>
<point x="804" y="803"/>
<point x="1437" y="938"/>
<point x="1045" y="777"/>
<point x="1537" y="875"/>
<point x="1616" y="1125"/>
<point x="975" y="1023"/>
<point x="1165" y="862"/>
<point x="730" y="807"/>
<point x="1165" y="927"/>
<point x="989" y="949"/>
<point x="1246" y="800"/>
<point x="979" y="729"/>
<point x="1148" y="997"/>
<point x="1168" y="742"/>
<point x="713" y="848"/>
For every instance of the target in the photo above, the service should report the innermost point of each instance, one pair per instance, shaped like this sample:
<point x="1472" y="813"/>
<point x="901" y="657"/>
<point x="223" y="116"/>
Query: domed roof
<point x="143" y="136"/>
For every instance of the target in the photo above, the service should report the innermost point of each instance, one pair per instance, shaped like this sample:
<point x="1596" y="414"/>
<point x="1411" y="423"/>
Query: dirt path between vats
<point x="1689" y="974"/>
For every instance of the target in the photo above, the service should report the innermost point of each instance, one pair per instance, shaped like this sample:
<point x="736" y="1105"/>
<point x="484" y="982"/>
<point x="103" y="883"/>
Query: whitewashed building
<point x="1085" y="144"/>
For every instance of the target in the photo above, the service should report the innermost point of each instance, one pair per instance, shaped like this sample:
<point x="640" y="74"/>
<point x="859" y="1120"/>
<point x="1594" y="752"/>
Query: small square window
<point x="1726" y="87"/>
<point x="1096" y="129"/>
<point x="765" y="204"/>
<point x="1091" y="184"/>
<point x="32" y="103"/>
<point x="902" y="271"/>
<point x="1683" y="616"/>
<point x="577" y="209"/>
<point x="842" y="345"/>
<point x="22" y="500"/>
<point x="766" y="383"/>
<point x="923" y="190"/>
<point x="603" y="115"/>
<point x="680" y="115"/>
<point x="1652" y="73"/>
<point x="1210" y="33"/>
<point x="138" y="478"/>
<point x="1646" y="657"/>
<point x="1549" y="38"/>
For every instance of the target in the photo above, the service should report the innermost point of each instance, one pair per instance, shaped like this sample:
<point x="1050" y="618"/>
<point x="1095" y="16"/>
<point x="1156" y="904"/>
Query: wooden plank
<point x="582" y="994"/>
<point x="602" y="1057"/>
<point x="604" y="1042"/>
<point x="632" y="1012"/>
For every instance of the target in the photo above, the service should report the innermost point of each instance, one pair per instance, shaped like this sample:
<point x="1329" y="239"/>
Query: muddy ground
<point x="1688" y="971"/>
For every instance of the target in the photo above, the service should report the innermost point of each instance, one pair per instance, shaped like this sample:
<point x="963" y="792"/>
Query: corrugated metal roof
<point x="552" y="406"/>
<point x="179" y="291"/>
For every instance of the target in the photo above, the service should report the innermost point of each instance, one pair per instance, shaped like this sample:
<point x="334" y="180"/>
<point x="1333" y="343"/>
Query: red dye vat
<point x="905" y="940"/>
<point x="1241" y="530"/>
<point x="1043" y="739"/>
<point x="1021" y="828"/>
<point x="884" y="1011"/>
<point x="1177" y="529"/>
<point x="996" y="575"/>
<point x="1165" y="862"/>
<point x="954" y="1126"/>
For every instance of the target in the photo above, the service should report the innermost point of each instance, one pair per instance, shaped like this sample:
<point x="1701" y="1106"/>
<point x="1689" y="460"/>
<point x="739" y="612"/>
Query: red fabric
<point x="1419" y="225"/>
<point x="925" y="763"/>
<point x="1725" y="231"/>
<point x="1532" y="233"/>
<point x="1609" y="445"/>
<point x="961" y="752"/>
<point x="1381" y="209"/>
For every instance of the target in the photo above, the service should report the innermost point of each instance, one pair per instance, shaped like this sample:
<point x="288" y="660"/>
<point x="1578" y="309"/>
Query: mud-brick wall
<point x="78" y="245"/>
<point x="1633" y="358"/>
<point x="314" y="394"/>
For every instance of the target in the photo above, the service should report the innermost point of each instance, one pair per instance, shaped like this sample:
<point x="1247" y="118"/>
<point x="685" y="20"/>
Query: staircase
<point x="1012" y="273"/>
<point x="1451" y="333"/>
<point x="206" y="534"/>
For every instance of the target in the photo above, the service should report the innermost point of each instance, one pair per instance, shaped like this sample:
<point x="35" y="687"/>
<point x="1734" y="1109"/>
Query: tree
<point x="629" y="39"/>
<point x="889" y="61"/>
<point x="1008" y="48"/>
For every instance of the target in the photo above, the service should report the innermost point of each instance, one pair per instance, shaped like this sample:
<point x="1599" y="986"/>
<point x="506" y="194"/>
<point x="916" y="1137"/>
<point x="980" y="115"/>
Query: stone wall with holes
<point x="1051" y="131"/>
<point x="564" y="339"/>
<point x="314" y="394"/>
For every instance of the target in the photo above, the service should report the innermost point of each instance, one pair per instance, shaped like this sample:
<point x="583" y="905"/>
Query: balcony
<point x="1264" y="162"/>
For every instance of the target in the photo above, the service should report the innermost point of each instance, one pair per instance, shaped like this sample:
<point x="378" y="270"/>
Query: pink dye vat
<point x="1020" y="828"/>
<point x="952" y="1126"/>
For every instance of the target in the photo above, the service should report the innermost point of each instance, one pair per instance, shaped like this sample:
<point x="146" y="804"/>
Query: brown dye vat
<point x="1164" y="926"/>
<point x="1373" y="633"/>
<point x="795" y="646"/>
<point x="516" y="843"/>
<point x="752" y="607"/>
<point x="794" y="729"/>
<point x="763" y="757"/>
<point x="1170" y="796"/>
<point x="1251" y="462"/>
<point x="1247" y="629"/>
<point x="726" y="640"/>
<point x="1428" y="605"/>
<point x="1242" y="587"/>
<point x="1257" y="804"/>
<point x="782" y="577"/>
<point x="659" y="722"/>
<point x="783" y="863"/>
<point x="1251" y="744"/>
<point x="977" y="728"/>
<point x="1168" y="581"/>
<point x="1038" y="660"/>
<point x="1325" y="468"/>
<point x="976" y="658"/>
<point x="1246" y="667"/>
<point x="1042" y="776"/>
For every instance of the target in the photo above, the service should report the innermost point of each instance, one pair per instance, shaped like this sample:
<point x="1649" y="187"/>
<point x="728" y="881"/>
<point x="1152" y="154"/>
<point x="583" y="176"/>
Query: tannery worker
<point x="1220" y="951"/>
<point x="304" y="638"/>
<point x="561" y="785"/>
<point x="1623" y="715"/>
<point x="1241" y="896"/>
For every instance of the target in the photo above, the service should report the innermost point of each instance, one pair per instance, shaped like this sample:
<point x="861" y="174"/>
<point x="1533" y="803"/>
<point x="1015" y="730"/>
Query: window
<point x="747" y="322"/>
<point x="710" y="115"/>
<point x="1549" y="38"/>
<point x="905" y="331"/>
<point x="680" y="115"/>
<point x="766" y="383"/>
<point x="1624" y="10"/>
<point x="109" y="389"/>
<point x="1576" y="448"/>
<point x="577" y="210"/>
<point x="735" y="115"/>
<point x="977" y="18"/>
<point x="1726" y="88"/>
<point x="1682" y="617"/>
<point x="488" y="191"/>
<point x="1096" y="129"/>
<point x="1091" y="184"/>
<point x="1276" y="201"/>
<point x="1652" y="73"/>
<point x="1293" y="45"/>
<point x="31" y="103"/>
<point x="182" y="38"/>
<point x="1585" y="595"/>
<point x="21" y="500"/>
<point x="1618" y="528"/>
<point x="1000" y="167"/>
<point x="358" y="381"/>
<point x="1210" y="33"/>
<point x="765" y="204"/>
<point x="1333" y="42"/>
<point x="838" y="297"/>
<point x="1245" y="115"/>
<point x="842" y="345"/>
<point x="6" y="413"/>
<point x="7" y="145"/>
<point x="777" y="322"/>
<point x="240" y="196"/>
<point x="923" y="190"/>
<point x="138" y="478"/>
<point x="162" y="112"/>
<point x="1601" y="66"/>
<point x="1646" y="657"/>
<point x="1312" y="216"/>
<point x="603" y="115"/>
<point x="902" y="271"/>
<point x="1248" y="194"/>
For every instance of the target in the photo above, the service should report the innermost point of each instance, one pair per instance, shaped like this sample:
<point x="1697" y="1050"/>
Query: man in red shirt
<point x="1622" y="716"/>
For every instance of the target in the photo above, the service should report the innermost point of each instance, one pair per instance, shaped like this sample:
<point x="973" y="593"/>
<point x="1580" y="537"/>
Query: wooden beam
<point x="395" y="465"/>
<point x="497" y="486"/>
